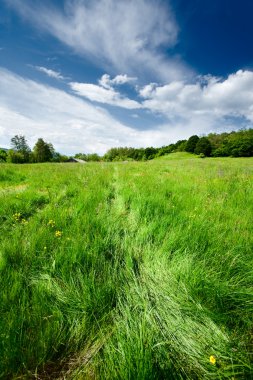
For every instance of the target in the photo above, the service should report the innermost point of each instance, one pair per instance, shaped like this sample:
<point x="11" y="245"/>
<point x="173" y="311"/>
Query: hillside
<point x="177" y="156"/>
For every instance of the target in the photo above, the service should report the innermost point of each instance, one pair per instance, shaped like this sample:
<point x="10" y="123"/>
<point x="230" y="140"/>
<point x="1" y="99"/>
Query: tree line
<point x="233" y="144"/>
<point x="21" y="153"/>
<point x="227" y="144"/>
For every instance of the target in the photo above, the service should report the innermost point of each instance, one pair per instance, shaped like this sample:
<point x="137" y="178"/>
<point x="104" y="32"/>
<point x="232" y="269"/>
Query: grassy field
<point x="127" y="270"/>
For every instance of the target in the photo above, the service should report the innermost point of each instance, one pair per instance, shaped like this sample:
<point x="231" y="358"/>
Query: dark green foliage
<point x="16" y="157"/>
<point x="19" y="144"/>
<point x="243" y="148"/>
<point x="43" y="151"/>
<point x="21" y="151"/>
<point x="125" y="153"/>
<point x="191" y="144"/>
<point x="203" y="146"/>
<point x="236" y="144"/>
<point x="88" y="157"/>
<point x="3" y="155"/>
<point x="150" y="153"/>
<point x="142" y="154"/>
<point x="166" y="150"/>
<point x="57" y="157"/>
<point x="179" y="146"/>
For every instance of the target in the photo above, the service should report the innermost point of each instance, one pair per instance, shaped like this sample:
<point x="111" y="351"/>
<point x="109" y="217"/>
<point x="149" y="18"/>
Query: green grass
<point x="178" y="156"/>
<point x="152" y="273"/>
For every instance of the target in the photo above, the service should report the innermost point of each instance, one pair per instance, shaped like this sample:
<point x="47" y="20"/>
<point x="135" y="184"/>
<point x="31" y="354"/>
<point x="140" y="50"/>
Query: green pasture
<point x="127" y="270"/>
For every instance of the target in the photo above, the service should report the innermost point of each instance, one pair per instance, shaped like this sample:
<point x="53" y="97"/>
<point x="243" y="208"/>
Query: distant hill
<point x="177" y="156"/>
<point x="6" y="150"/>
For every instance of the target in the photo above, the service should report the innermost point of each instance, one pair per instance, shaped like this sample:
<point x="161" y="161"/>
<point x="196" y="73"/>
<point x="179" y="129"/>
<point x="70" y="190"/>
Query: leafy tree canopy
<point x="19" y="144"/>
<point x="203" y="146"/>
<point x="43" y="151"/>
<point x="21" y="151"/>
<point x="191" y="143"/>
<point x="3" y="155"/>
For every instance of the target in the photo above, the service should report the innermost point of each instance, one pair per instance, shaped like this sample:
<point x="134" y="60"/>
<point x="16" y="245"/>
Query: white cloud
<point x="106" y="81"/>
<point x="119" y="35"/>
<point x="211" y="101"/>
<point x="122" y="79"/>
<point x="73" y="125"/>
<point x="70" y="123"/>
<point x="49" y="72"/>
<point x="105" y="94"/>
<point x="148" y="91"/>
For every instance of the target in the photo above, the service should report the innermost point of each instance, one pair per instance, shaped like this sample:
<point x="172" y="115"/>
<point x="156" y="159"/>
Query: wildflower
<point x="45" y="248"/>
<point x="212" y="359"/>
<point x="58" y="233"/>
<point x="51" y="223"/>
<point x="24" y="221"/>
<point x="17" y="216"/>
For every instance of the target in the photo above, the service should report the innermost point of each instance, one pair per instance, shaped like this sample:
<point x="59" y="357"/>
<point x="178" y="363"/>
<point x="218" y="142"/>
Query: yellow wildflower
<point x="212" y="359"/>
<point x="51" y="223"/>
<point x="58" y="233"/>
<point x="17" y="216"/>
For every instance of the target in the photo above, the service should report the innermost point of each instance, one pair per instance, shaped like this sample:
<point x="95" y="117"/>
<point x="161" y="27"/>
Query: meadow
<point x="127" y="270"/>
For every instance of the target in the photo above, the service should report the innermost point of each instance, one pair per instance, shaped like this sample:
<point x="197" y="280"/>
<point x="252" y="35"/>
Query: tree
<point x="43" y="151"/>
<point x="3" y="155"/>
<point x="15" y="157"/>
<point x="19" y="145"/>
<point x="181" y="145"/>
<point x="191" y="144"/>
<point x="93" y="157"/>
<point x="150" y="152"/>
<point x="203" y="146"/>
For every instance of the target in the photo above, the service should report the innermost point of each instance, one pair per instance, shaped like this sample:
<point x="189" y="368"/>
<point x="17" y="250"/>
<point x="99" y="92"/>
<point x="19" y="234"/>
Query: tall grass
<point x="150" y="274"/>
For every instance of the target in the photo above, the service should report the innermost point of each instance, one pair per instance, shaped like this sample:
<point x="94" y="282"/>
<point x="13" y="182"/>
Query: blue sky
<point x="88" y="75"/>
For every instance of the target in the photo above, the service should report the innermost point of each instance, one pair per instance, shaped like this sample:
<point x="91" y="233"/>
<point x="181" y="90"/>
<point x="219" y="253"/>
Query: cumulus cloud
<point x="210" y="98"/>
<point x="107" y="82"/>
<point x="49" y="72"/>
<point x="70" y="123"/>
<point x="148" y="91"/>
<point x="73" y="124"/>
<point x="122" y="36"/>
<point x="105" y="93"/>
